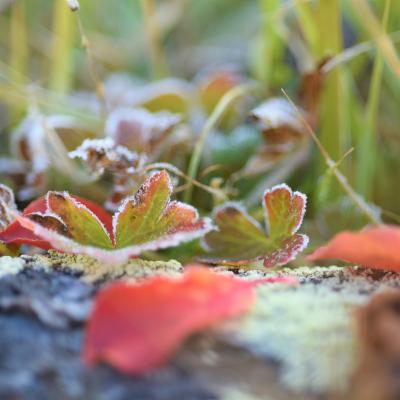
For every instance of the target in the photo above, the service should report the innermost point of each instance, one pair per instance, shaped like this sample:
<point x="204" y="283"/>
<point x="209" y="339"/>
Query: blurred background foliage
<point x="54" y="61"/>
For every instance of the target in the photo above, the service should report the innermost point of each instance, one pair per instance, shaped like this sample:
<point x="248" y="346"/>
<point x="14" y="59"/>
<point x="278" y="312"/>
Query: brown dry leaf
<point x="7" y="206"/>
<point x="171" y="94"/>
<point x="283" y="133"/>
<point x="378" y="373"/>
<point x="101" y="155"/>
<point x="311" y="89"/>
<point x="42" y="141"/>
<point x="283" y="129"/>
<point x="140" y="130"/>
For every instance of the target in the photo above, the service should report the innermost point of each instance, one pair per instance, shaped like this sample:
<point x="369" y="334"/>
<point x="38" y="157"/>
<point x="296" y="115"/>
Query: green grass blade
<point x="366" y="157"/>
<point x="64" y="29"/>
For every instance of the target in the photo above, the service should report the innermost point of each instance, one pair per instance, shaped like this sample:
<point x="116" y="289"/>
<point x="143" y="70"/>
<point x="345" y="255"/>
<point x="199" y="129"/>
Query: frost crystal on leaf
<point x="102" y="155"/>
<point x="105" y="154"/>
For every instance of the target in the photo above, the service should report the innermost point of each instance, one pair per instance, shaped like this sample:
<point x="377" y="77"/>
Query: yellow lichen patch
<point x="92" y="270"/>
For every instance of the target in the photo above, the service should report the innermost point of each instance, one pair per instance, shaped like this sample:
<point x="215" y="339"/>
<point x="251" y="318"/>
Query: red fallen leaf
<point x="374" y="247"/>
<point x="137" y="327"/>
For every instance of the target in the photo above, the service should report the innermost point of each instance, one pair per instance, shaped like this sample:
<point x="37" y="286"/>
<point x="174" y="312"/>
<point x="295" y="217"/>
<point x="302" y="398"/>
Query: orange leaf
<point x="137" y="327"/>
<point x="374" y="247"/>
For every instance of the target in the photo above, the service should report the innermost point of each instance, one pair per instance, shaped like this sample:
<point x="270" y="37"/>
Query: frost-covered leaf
<point x="104" y="155"/>
<point x="241" y="240"/>
<point x="140" y="130"/>
<point x="283" y="132"/>
<point x="42" y="141"/>
<point x="150" y="217"/>
<point x="83" y="226"/>
<point x="8" y="209"/>
<point x="373" y="247"/>
<point x="278" y="120"/>
<point x="146" y="221"/>
<point x="173" y="95"/>
<point x="283" y="128"/>
<point x="37" y="211"/>
<point x="7" y="206"/>
<point x="137" y="327"/>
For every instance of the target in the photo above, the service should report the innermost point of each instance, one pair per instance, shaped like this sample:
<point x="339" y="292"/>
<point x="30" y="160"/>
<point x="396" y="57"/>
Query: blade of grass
<point x="18" y="50"/>
<point x="271" y="47"/>
<point x="374" y="28"/>
<point x="219" y="111"/>
<point x="306" y="17"/>
<point x="61" y="68"/>
<point x="321" y="25"/>
<point x="157" y="56"/>
<point x="334" y="134"/>
<point x="366" y="157"/>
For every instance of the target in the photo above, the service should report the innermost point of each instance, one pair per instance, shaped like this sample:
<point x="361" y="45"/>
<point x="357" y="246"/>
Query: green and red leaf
<point x="147" y="221"/>
<point x="150" y="219"/>
<point x="83" y="226"/>
<point x="137" y="327"/>
<point x="240" y="240"/>
<point x="374" y="247"/>
<point x="17" y="233"/>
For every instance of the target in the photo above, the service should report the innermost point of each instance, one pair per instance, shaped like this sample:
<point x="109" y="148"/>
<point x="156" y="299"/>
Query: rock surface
<point x="298" y="342"/>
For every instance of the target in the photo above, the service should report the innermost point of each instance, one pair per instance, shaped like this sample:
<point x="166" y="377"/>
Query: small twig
<point x="99" y="86"/>
<point x="357" y="199"/>
<point x="190" y="181"/>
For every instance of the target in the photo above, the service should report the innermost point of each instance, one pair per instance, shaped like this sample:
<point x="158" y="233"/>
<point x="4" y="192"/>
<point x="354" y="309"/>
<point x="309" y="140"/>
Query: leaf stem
<point x="178" y="172"/>
<point x="99" y="86"/>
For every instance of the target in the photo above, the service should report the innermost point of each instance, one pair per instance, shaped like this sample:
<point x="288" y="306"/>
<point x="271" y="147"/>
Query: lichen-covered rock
<point x="92" y="270"/>
<point x="309" y="329"/>
<point x="10" y="265"/>
<point x="296" y="342"/>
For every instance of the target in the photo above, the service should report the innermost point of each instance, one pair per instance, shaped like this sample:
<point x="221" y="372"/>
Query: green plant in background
<point x="276" y="45"/>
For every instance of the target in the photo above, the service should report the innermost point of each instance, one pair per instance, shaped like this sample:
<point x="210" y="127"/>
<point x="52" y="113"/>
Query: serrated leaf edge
<point x="292" y="195"/>
<point x="80" y="205"/>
